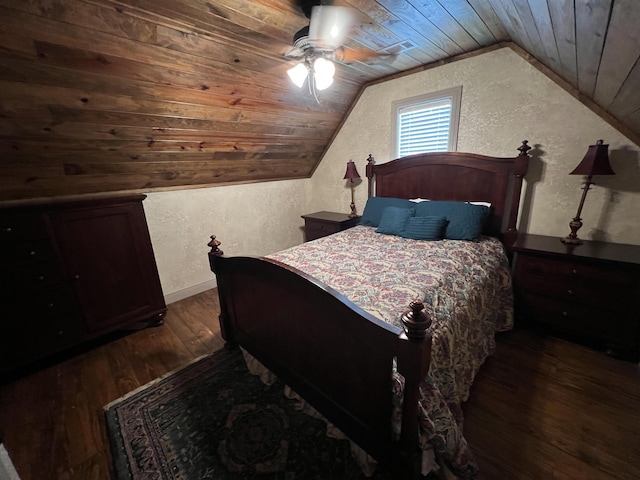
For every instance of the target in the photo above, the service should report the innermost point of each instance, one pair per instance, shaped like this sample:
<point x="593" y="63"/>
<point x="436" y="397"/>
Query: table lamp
<point x="595" y="162"/>
<point x="351" y="175"/>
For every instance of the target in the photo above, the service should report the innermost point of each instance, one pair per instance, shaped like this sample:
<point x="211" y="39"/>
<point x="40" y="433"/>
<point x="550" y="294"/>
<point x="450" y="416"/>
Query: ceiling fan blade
<point x="330" y="25"/>
<point x="364" y="55"/>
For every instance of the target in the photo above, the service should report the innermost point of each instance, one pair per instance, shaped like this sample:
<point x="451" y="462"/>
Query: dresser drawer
<point x="30" y="280"/>
<point x="27" y="252"/>
<point x="47" y="305"/>
<point x="16" y="228"/>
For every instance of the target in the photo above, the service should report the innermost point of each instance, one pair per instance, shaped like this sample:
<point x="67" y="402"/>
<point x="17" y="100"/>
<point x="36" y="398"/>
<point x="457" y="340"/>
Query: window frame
<point x="455" y="96"/>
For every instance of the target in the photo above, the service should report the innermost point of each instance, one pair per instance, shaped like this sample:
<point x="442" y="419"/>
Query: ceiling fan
<point x="320" y="43"/>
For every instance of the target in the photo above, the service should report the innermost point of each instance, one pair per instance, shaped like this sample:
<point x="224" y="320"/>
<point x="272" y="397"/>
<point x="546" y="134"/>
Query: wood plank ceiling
<point x="110" y="95"/>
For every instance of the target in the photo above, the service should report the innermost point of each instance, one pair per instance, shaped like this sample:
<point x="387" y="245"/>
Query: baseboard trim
<point x="189" y="291"/>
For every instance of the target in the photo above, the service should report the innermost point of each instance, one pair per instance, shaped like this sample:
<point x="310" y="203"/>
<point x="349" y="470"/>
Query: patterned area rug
<point x="214" y="420"/>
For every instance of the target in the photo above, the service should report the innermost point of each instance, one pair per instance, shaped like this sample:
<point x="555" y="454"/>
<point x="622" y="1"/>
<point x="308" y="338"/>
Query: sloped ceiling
<point x="110" y="95"/>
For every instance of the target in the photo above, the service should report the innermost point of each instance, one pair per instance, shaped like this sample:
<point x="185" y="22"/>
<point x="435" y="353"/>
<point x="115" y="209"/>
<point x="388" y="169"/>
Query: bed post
<point x="370" y="162"/>
<point x="414" y="356"/>
<point x="215" y="255"/>
<point x="519" y="170"/>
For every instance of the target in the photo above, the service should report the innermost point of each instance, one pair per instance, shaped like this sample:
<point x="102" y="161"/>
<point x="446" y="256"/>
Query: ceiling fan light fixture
<point x="323" y="71"/>
<point x="298" y="74"/>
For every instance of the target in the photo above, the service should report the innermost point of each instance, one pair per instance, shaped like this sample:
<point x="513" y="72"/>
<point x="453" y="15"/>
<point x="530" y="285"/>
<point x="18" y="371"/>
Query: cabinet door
<point x="108" y="255"/>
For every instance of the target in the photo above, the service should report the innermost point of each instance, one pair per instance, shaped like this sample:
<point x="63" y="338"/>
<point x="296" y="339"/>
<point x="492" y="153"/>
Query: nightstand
<point x="589" y="291"/>
<point x="321" y="224"/>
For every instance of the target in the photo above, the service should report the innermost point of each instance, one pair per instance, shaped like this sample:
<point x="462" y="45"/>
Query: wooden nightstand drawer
<point x="320" y="229"/>
<point x="577" y="270"/>
<point x="568" y="316"/>
<point x="573" y="289"/>
<point x="321" y="224"/>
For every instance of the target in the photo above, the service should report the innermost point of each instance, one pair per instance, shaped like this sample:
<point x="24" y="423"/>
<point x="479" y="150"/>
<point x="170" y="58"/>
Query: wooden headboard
<point x="457" y="176"/>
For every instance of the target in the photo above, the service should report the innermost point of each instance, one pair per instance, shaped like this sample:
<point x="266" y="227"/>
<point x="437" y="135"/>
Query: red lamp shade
<point x="595" y="162"/>
<point x="352" y="171"/>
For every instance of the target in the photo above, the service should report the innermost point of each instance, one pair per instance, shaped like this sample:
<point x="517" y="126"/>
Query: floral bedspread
<point x="466" y="290"/>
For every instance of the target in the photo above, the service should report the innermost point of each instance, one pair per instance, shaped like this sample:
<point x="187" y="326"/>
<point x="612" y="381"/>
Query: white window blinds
<point x="424" y="128"/>
<point x="427" y="123"/>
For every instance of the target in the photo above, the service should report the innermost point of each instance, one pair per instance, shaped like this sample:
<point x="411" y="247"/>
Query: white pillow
<point x="418" y="200"/>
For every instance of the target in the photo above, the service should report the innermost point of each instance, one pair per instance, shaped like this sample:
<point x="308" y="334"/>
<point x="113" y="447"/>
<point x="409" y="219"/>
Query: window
<point x="427" y="123"/>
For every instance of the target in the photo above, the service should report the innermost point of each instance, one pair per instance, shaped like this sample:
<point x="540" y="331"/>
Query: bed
<point x="378" y="376"/>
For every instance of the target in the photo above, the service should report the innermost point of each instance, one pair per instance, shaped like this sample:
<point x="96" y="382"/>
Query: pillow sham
<point x="424" y="228"/>
<point x="394" y="219"/>
<point x="375" y="206"/>
<point x="466" y="221"/>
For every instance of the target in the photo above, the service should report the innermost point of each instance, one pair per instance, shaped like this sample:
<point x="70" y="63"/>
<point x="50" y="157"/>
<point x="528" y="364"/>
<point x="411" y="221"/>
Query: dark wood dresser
<point x="591" y="290"/>
<point x="72" y="271"/>
<point x="321" y="224"/>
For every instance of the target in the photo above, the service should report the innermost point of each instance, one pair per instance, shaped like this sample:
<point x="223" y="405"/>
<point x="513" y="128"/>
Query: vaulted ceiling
<point x="108" y="95"/>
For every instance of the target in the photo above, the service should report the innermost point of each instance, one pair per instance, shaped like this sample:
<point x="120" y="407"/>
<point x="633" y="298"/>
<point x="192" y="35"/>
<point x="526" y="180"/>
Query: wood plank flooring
<point x="540" y="408"/>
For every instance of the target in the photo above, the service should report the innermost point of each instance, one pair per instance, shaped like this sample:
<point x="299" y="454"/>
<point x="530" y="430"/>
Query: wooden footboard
<point x="334" y="354"/>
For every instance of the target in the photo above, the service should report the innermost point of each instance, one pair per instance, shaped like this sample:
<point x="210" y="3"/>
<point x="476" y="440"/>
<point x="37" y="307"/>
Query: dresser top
<point x="604" y="251"/>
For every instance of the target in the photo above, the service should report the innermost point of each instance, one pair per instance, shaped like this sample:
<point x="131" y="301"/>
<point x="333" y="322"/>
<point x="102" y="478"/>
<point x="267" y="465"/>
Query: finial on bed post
<point x="524" y="148"/>
<point x="415" y="321"/>
<point x="214" y="244"/>
<point x="370" y="162"/>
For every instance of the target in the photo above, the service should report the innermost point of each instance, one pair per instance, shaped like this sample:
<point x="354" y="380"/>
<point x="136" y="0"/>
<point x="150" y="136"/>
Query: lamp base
<point x="353" y="213"/>
<point x="572" y="241"/>
<point x="572" y="238"/>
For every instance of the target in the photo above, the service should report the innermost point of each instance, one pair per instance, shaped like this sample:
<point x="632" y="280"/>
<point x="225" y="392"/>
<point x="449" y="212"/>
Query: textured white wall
<point x="252" y="219"/>
<point x="504" y="101"/>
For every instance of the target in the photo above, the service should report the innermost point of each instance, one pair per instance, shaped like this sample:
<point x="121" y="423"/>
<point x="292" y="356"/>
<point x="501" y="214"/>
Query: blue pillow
<point x="376" y="205"/>
<point x="424" y="228"/>
<point x="466" y="221"/>
<point x="393" y="220"/>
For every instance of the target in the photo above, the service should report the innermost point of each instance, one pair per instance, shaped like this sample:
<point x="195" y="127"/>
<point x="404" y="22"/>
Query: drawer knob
<point x="565" y="314"/>
<point x="7" y="230"/>
<point x="60" y="333"/>
<point x="570" y="292"/>
<point x="41" y="277"/>
<point x="32" y="253"/>
<point x="574" y="271"/>
<point x="51" y="305"/>
<point x="76" y="277"/>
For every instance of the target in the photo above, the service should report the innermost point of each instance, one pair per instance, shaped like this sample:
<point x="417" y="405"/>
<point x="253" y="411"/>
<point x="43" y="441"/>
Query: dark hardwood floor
<point x="540" y="408"/>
